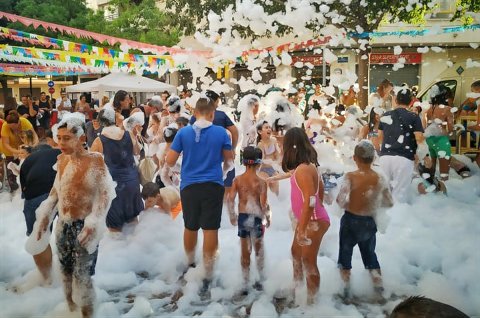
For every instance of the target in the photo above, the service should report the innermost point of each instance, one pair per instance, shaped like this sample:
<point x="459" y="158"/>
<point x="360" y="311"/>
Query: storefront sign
<point x="390" y="58"/>
<point x="315" y="60"/>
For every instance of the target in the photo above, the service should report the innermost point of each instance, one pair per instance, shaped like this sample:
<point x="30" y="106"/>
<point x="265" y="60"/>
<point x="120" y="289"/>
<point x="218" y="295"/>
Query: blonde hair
<point x="170" y="196"/>
<point x="105" y="99"/>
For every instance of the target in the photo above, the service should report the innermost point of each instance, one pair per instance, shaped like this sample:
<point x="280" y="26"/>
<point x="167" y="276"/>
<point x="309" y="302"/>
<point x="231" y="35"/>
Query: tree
<point x="73" y="13"/>
<point x="464" y="6"/>
<point x="355" y="16"/>
<point x="138" y="20"/>
<point x="367" y="18"/>
<point x="192" y="14"/>
<point x="142" y="21"/>
<point x="6" y="5"/>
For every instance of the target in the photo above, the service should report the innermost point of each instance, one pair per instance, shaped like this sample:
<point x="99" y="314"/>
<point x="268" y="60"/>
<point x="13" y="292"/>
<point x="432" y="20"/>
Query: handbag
<point x="146" y="166"/>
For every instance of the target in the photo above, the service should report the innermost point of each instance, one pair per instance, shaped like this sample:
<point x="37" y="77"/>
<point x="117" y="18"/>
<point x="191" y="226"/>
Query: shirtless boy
<point x="253" y="213"/>
<point x="82" y="192"/>
<point x="362" y="194"/>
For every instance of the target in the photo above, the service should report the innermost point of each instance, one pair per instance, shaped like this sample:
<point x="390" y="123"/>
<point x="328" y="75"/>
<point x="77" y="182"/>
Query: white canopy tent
<point x="122" y="81"/>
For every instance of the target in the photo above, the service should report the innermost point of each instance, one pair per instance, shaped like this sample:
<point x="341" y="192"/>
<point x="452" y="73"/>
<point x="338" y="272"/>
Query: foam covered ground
<point x="430" y="248"/>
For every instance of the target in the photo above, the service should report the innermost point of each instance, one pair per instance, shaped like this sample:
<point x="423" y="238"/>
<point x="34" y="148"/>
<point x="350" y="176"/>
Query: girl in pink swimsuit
<point x="296" y="196"/>
<point x="306" y="196"/>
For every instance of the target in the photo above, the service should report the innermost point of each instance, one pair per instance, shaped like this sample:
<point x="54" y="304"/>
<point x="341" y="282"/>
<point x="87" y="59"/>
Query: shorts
<point x="202" y="206"/>
<point x="250" y="225"/>
<point x="29" y="209"/>
<point x="268" y="170"/>
<point x="438" y="144"/>
<point x="356" y="229"/>
<point x="229" y="179"/>
<point x="74" y="259"/>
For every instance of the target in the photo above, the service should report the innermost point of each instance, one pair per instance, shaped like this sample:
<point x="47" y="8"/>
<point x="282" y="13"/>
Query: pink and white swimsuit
<point x="297" y="199"/>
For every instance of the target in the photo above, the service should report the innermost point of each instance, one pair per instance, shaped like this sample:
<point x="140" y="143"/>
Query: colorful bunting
<point x="423" y="32"/>
<point x="38" y="70"/>
<point x="101" y="38"/>
<point x="87" y="59"/>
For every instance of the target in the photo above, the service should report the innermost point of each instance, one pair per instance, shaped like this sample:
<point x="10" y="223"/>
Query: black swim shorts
<point x="202" y="206"/>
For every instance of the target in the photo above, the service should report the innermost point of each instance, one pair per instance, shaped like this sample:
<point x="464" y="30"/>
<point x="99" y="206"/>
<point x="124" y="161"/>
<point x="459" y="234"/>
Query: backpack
<point x="146" y="166"/>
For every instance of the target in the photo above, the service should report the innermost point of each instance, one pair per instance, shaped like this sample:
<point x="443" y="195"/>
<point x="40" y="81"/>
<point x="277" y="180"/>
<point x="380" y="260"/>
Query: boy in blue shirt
<point x="205" y="147"/>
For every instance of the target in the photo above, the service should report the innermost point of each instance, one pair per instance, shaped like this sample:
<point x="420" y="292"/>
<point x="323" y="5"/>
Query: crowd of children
<point x="188" y="148"/>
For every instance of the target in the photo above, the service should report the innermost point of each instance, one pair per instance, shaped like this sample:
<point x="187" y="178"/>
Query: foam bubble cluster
<point x="136" y="119"/>
<point x="109" y="112"/>
<point x="74" y="121"/>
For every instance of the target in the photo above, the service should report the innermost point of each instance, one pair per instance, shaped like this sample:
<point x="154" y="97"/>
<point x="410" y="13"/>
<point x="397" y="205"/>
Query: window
<point x="451" y="84"/>
<point x="445" y="9"/>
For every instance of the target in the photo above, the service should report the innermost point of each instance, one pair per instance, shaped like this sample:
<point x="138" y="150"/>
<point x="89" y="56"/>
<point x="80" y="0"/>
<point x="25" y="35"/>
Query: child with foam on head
<point x="253" y="213"/>
<point x="362" y="195"/>
<point x="204" y="147"/>
<point x="83" y="191"/>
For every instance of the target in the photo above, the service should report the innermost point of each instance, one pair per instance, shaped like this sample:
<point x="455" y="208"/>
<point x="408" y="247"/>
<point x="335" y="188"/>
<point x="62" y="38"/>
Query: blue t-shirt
<point x="221" y="119"/>
<point x="399" y="137"/>
<point x="202" y="161"/>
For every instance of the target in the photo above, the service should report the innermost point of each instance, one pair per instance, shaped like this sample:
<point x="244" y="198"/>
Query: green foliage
<point x="138" y="20"/>
<point x="367" y="14"/>
<point x="73" y="13"/>
<point x="6" y="5"/>
<point x="142" y="22"/>
<point x="192" y="14"/>
<point x="464" y="6"/>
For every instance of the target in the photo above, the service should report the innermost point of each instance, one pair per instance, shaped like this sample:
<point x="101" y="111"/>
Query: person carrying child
<point x="204" y="147"/>
<point x="300" y="161"/>
<point x="253" y="214"/>
<point x="362" y="194"/>
<point x="82" y="191"/>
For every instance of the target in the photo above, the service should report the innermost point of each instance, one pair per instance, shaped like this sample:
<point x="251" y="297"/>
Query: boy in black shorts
<point x="253" y="213"/>
<point x="204" y="147"/>
<point x="363" y="194"/>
